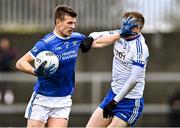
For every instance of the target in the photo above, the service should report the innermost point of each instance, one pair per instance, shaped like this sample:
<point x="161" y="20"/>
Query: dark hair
<point x="62" y="10"/>
<point x="139" y="16"/>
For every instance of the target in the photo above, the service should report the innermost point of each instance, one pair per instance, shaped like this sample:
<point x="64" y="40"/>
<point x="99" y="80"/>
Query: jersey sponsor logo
<point x="68" y="55"/>
<point x="120" y="55"/>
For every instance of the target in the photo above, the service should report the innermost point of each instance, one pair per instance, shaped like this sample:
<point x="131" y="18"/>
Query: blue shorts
<point x="128" y="110"/>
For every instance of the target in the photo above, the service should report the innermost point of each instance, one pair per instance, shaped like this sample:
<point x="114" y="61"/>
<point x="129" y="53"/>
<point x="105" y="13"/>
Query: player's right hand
<point x="127" y="25"/>
<point x="43" y="71"/>
<point x="108" y="109"/>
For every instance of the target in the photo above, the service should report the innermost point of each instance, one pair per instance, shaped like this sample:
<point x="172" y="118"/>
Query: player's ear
<point x="139" y="29"/>
<point x="136" y="29"/>
<point x="57" y="21"/>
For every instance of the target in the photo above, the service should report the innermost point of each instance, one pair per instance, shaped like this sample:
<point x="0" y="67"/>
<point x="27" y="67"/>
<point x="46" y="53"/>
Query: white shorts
<point x="42" y="107"/>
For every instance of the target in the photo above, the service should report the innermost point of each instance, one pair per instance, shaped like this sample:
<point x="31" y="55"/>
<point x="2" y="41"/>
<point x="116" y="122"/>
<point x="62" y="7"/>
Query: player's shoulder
<point x="139" y="44"/>
<point x="143" y="42"/>
<point x="48" y="37"/>
<point x="77" y="35"/>
<point x="141" y="39"/>
<point x="138" y="41"/>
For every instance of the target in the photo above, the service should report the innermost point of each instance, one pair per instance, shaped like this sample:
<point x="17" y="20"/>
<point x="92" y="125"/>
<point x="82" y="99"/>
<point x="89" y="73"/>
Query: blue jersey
<point x="66" y="49"/>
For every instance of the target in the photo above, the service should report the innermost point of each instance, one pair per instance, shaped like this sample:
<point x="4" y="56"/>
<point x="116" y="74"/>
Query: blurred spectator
<point x="174" y="102"/>
<point x="7" y="60"/>
<point x="7" y="56"/>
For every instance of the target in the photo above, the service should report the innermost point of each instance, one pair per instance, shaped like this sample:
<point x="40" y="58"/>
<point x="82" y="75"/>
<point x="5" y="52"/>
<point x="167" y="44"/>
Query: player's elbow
<point x="97" y="45"/>
<point x="18" y="64"/>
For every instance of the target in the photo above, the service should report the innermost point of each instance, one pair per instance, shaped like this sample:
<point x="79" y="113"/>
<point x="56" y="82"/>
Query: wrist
<point x="115" y="102"/>
<point x="34" y="72"/>
<point x="116" y="99"/>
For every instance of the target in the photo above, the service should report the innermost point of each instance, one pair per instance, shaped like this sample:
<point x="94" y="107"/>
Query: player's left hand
<point x="108" y="109"/>
<point x="50" y="70"/>
<point x="127" y="25"/>
<point x="46" y="72"/>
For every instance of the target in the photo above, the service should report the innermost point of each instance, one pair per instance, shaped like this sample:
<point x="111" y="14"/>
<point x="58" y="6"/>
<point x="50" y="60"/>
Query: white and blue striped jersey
<point x="126" y="54"/>
<point x="62" y="82"/>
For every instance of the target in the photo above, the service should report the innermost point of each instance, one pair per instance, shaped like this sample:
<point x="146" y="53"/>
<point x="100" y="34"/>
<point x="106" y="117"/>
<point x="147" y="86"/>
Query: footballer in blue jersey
<point x="124" y="103"/>
<point x="51" y="102"/>
<point x="61" y="83"/>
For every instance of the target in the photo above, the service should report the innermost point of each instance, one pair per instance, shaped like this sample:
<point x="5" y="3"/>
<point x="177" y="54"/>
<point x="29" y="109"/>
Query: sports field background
<point x="24" y="22"/>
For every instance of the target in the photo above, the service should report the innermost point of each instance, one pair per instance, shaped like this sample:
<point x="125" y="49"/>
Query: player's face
<point x="66" y="27"/>
<point x="136" y="29"/>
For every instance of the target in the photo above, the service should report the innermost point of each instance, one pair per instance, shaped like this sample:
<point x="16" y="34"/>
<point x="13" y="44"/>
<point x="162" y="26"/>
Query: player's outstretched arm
<point x="105" y="40"/>
<point x="24" y="64"/>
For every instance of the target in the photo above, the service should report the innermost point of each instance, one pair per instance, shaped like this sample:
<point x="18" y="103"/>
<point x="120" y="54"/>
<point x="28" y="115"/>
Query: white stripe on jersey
<point x="31" y="55"/>
<point x="125" y="52"/>
<point x="50" y="38"/>
<point x="139" y="48"/>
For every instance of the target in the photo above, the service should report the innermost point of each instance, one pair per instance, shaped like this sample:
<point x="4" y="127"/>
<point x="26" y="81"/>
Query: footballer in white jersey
<point x="126" y="54"/>
<point x="124" y="103"/>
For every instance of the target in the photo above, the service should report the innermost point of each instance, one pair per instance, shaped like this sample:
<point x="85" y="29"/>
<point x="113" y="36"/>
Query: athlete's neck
<point x="132" y="37"/>
<point x="59" y="33"/>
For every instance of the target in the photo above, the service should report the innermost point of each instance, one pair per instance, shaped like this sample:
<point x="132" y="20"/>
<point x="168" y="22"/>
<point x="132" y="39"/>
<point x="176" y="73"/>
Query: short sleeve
<point x="38" y="47"/>
<point x="78" y="36"/>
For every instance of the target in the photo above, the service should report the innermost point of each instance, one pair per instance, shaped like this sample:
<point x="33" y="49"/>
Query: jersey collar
<point x="133" y="38"/>
<point x="64" y="38"/>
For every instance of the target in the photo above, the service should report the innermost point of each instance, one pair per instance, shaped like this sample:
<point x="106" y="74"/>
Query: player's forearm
<point x="105" y="40"/>
<point x="25" y="66"/>
<point x="130" y="83"/>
